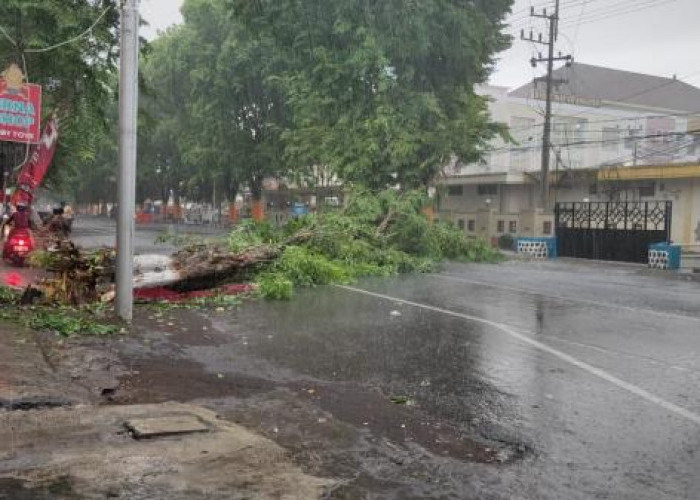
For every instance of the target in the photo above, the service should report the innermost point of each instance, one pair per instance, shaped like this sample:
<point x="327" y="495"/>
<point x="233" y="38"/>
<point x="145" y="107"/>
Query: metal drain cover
<point x="148" y="428"/>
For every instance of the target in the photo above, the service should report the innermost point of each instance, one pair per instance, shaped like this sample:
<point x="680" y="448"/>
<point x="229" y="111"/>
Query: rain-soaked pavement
<point x="559" y="380"/>
<point x="564" y="380"/>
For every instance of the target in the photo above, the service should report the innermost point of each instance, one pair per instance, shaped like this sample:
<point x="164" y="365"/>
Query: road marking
<point x="566" y="299"/>
<point x="613" y="352"/>
<point x="602" y="374"/>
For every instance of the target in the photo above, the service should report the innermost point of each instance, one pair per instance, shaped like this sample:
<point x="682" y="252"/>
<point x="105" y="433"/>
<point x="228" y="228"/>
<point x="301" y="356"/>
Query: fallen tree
<point x="375" y="234"/>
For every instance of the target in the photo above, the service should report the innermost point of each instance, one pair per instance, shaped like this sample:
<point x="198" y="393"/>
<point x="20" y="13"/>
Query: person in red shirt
<point x="21" y="219"/>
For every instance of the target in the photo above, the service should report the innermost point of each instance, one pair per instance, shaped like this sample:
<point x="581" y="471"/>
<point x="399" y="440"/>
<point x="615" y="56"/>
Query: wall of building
<point x="468" y="201"/>
<point x="610" y="134"/>
<point x="685" y="195"/>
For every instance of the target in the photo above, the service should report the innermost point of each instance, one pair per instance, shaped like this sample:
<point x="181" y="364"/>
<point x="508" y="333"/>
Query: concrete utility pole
<point x="553" y="20"/>
<point x="126" y="191"/>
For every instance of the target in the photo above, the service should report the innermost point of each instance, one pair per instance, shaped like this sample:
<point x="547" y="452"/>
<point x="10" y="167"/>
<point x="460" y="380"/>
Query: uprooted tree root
<point x="76" y="276"/>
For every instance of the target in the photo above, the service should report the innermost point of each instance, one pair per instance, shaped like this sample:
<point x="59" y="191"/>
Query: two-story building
<point x="616" y="136"/>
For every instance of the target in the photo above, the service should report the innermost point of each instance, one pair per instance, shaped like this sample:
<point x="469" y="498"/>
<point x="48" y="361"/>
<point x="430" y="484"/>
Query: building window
<point x="487" y="189"/>
<point x="566" y="131"/>
<point x="513" y="227"/>
<point x="471" y="225"/>
<point x="501" y="226"/>
<point x="455" y="190"/>
<point x="460" y="224"/>
<point x="611" y="139"/>
<point x="647" y="190"/>
<point x="547" y="227"/>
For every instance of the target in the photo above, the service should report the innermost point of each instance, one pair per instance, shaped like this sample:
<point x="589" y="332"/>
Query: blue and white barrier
<point x="538" y="248"/>
<point x="665" y="256"/>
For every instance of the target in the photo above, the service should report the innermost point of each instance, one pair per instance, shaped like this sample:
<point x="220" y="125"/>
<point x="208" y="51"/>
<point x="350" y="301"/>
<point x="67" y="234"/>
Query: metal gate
<point x="611" y="231"/>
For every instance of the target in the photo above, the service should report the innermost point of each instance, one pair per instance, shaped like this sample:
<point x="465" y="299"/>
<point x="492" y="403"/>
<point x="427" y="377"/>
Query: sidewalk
<point x="186" y="452"/>
<point x="62" y="438"/>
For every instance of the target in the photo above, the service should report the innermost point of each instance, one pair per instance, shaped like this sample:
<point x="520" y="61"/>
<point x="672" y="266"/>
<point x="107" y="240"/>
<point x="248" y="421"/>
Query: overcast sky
<point x="659" y="37"/>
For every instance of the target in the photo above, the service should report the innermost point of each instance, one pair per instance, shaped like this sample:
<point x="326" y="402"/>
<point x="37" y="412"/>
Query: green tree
<point x="76" y="77"/>
<point x="383" y="92"/>
<point x="378" y="93"/>
<point x="218" y="116"/>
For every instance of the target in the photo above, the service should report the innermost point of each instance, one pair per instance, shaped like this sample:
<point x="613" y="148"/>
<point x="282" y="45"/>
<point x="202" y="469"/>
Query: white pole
<point x="128" y="113"/>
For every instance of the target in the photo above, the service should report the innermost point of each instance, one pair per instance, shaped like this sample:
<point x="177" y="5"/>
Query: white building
<point x="616" y="136"/>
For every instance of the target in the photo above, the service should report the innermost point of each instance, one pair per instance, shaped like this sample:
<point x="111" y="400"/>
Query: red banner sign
<point x="20" y="109"/>
<point x="35" y="169"/>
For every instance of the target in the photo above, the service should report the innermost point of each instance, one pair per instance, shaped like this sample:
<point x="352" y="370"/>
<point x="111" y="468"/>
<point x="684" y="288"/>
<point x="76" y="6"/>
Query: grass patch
<point x="94" y="319"/>
<point x="68" y="323"/>
<point x="9" y="296"/>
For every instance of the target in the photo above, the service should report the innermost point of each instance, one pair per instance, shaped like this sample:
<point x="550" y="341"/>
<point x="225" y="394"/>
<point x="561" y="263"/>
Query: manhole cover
<point x="148" y="428"/>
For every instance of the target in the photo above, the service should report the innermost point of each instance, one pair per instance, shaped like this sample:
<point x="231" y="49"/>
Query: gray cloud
<point x="662" y="40"/>
<point x="160" y="14"/>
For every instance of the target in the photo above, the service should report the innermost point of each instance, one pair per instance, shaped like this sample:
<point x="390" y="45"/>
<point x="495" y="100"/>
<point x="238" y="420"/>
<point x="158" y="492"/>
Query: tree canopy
<point x="77" y="78"/>
<point x="378" y="93"/>
<point x="382" y="91"/>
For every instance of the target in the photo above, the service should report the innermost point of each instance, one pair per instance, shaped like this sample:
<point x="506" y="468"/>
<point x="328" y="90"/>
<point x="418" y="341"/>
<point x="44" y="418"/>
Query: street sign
<point x="20" y="107"/>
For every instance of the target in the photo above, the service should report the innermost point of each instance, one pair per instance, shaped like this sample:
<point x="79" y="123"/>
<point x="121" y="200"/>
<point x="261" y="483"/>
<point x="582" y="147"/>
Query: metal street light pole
<point x="126" y="190"/>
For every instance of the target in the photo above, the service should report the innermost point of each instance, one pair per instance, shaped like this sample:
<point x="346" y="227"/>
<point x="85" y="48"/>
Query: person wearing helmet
<point x="21" y="219"/>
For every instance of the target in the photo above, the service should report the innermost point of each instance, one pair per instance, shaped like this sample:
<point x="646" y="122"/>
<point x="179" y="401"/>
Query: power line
<point x="601" y="14"/>
<point x="7" y="35"/>
<point x="611" y="7"/>
<point x="85" y="33"/>
<point x="601" y="141"/>
<point x="580" y="19"/>
<point x="637" y="94"/>
<point x="617" y="161"/>
<point x="610" y="120"/>
<point x="519" y="18"/>
<point x="74" y="39"/>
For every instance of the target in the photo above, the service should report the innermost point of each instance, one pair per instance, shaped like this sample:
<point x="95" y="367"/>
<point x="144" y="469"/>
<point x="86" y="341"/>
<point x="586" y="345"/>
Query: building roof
<point x="592" y="85"/>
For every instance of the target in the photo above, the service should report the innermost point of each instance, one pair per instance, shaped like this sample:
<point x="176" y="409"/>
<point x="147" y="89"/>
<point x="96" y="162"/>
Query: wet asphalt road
<point x="554" y="380"/>
<point x="94" y="232"/>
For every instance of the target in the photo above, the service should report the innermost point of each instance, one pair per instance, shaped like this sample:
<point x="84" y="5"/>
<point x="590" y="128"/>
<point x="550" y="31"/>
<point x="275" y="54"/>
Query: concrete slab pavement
<point x="85" y="452"/>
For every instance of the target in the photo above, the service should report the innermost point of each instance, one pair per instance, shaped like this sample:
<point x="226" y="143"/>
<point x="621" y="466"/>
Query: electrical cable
<point x="611" y="120"/>
<point x="603" y="141"/>
<point x="7" y="35"/>
<point x="600" y="15"/>
<point x="74" y="39"/>
<point x="85" y="33"/>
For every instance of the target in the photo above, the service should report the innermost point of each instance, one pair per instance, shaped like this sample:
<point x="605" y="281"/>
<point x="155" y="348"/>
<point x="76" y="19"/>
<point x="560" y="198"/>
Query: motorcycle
<point x="18" y="245"/>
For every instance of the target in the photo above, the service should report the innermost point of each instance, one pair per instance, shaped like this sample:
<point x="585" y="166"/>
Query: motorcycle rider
<point x="21" y="218"/>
